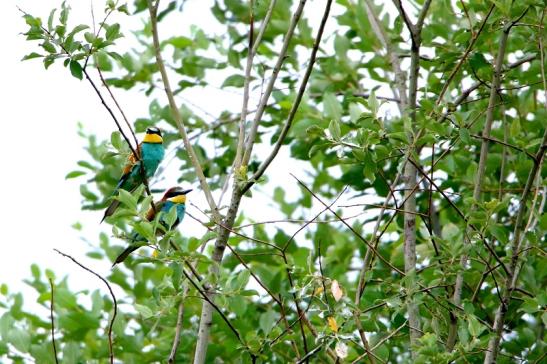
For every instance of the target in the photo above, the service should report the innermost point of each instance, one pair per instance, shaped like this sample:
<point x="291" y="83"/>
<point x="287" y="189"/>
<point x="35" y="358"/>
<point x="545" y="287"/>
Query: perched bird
<point x="150" y="153"/>
<point x="174" y="196"/>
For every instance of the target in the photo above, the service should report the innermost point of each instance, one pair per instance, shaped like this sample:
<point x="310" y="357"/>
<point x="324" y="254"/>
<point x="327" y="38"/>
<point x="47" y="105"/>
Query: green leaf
<point x="89" y="37"/>
<point x="76" y="70"/>
<point x="234" y="81"/>
<point x="170" y="217"/>
<point x="180" y="42"/>
<point x="145" y="229"/>
<point x="20" y="339"/>
<point x="341" y="46"/>
<point x="74" y="174"/>
<point x="464" y="136"/>
<point x="77" y="29"/>
<point x="49" y="47"/>
<point x="515" y="128"/>
<point x="331" y="106"/>
<point x="127" y="199"/>
<point x="50" y="20"/>
<point x="530" y="305"/>
<point x="116" y="140"/>
<point x="144" y="311"/>
<point x="63" y="18"/>
<point x="474" y="326"/>
<point x="35" y="270"/>
<point x="267" y="321"/>
<point x="71" y="352"/>
<point x="334" y="129"/>
<point x="113" y="32"/>
<point x="315" y="130"/>
<point x="314" y="149"/>
<point x="373" y="104"/>
<point x="499" y="232"/>
<point x="477" y="61"/>
<point x="31" y="56"/>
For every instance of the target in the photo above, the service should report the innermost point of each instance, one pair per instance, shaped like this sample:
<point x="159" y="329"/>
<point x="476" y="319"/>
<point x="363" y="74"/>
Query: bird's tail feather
<point x="111" y="209"/>
<point x="130" y="249"/>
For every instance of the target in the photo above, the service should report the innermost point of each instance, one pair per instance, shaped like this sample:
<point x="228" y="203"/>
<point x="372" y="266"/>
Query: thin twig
<point x="294" y="108"/>
<point x="178" y="330"/>
<point x="176" y="112"/>
<point x="391" y="50"/>
<point x="204" y="296"/>
<point x="474" y="38"/>
<point x="269" y="87"/>
<point x="520" y="226"/>
<point x="105" y="84"/>
<point x="479" y="177"/>
<point x="115" y="303"/>
<point x="52" y="323"/>
<point x="387" y="262"/>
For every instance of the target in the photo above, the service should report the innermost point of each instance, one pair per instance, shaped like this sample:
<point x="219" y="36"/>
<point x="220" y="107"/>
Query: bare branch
<point x="400" y="77"/>
<point x="115" y="303"/>
<point x="105" y="84"/>
<point x="176" y="112"/>
<point x="269" y="87"/>
<point x="52" y="323"/>
<point x="294" y="108"/>
<point x="462" y="60"/>
<point x="479" y="177"/>
<point x="253" y="48"/>
<point x="520" y="226"/>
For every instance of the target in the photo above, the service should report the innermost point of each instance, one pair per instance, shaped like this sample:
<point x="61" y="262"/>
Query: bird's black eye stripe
<point x="153" y="131"/>
<point x="173" y="193"/>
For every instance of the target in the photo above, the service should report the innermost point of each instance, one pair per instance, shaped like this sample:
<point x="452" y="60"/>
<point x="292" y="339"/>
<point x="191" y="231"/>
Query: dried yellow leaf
<point x="332" y="323"/>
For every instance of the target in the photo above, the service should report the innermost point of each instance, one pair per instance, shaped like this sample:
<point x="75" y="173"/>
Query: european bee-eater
<point x="175" y="196"/>
<point x="151" y="153"/>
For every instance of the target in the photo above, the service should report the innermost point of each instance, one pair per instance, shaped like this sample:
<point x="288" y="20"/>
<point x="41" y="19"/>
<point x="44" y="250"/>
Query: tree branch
<point x="115" y="303"/>
<point x="410" y="170"/>
<point x="479" y="177"/>
<point x="176" y="112"/>
<point x="400" y="77"/>
<point x="462" y="60"/>
<point x="253" y="48"/>
<point x="520" y="226"/>
<point x="52" y="323"/>
<point x="294" y="108"/>
<point x="269" y="88"/>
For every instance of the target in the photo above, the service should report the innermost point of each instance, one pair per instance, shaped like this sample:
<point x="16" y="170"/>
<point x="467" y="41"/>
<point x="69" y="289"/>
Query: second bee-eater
<point x="174" y="197"/>
<point x="151" y="152"/>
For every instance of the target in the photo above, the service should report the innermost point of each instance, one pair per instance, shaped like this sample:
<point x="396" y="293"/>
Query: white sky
<point x="40" y="146"/>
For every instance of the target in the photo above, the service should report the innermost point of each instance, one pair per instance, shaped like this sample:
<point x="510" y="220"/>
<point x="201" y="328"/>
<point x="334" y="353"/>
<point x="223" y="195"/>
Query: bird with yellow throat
<point x="150" y="154"/>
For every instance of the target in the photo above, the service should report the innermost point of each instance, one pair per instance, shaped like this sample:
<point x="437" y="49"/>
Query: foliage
<point x="354" y="134"/>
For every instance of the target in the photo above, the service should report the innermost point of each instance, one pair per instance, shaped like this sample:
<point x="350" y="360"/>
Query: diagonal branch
<point x="52" y="323"/>
<point x="400" y="77"/>
<point x="115" y="303"/>
<point x="294" y="108"/>
<point x="153" y="9"/>
<point x="479" y="177"/>
<point x="520" y="227"/>
<point x="253" y="48"/>
<point x="462" y="60"/>
<point x="269" y="87"/>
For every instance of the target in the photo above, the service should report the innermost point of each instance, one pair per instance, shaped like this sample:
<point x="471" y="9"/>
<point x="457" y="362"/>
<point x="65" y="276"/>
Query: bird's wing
<point x="151" y="214"/>
<point x="131" y="163"/>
